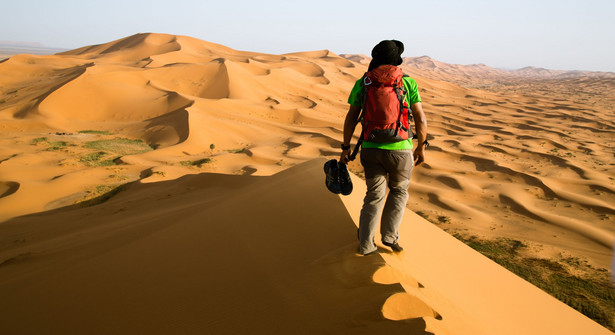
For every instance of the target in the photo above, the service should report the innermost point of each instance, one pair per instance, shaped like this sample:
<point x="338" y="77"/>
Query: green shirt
<point x="412" y="97"/>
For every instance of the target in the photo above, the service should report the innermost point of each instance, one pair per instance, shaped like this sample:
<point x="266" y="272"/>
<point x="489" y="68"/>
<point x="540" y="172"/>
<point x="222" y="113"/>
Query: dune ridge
<point x="177" y="257"/>
<point x="170" y="257"/>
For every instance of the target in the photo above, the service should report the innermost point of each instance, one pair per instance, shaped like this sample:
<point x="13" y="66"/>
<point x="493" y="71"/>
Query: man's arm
<point x="421" y="132"/>
<point x="350" y="123"/>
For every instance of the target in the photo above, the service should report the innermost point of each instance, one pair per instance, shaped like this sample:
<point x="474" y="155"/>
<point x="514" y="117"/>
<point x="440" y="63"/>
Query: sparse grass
<point x="122" y="146"/>
<point x="53" y="145"/>
<point x="57" y="145"/>
<point x="119" y="177"/>
<point x="423" y="215"/>
<point x="102" y="189"/>
<point x="102" y="193"/>
<point x="94" y="159"/>
<point x="237" y="151"/>
<point x="97" y="132"/>
<point x="444" y="219"/>
<point x="198" y="163"/>
<point x="592" y="294"/>
<point x="106" y="162"/>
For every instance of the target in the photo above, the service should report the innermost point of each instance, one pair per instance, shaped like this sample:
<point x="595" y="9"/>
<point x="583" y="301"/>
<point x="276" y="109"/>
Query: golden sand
<point x="227" y="228"/>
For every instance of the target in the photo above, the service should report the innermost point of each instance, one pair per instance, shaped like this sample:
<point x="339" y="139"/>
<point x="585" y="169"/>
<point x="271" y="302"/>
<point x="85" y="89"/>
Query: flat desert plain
<point x="164" y="184"/>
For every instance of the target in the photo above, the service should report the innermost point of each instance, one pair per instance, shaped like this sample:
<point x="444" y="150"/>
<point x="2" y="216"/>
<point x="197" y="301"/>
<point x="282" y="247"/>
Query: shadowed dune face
<point x="7" y="188"/>
<point x="516" y="162"/>
<point x="187" y="260"/>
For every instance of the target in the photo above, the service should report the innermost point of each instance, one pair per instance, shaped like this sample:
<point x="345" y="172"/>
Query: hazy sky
<point x="555" y="34"/>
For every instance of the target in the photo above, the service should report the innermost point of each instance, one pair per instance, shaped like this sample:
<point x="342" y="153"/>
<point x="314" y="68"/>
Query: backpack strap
<point x="401" y="95"/>
<point x="366" y="82"/>
<point x="414" y="136"/>
<point x="354" y="153"/>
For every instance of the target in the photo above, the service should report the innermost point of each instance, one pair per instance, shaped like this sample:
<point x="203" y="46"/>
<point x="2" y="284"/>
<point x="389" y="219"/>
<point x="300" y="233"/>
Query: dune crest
<point x="186" y="260"/>
<point x="183" y="266"/>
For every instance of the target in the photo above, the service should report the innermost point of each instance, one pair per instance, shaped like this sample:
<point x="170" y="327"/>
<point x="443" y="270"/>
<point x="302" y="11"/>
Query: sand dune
<point x="219" y="211"/>
<point x="178" y="257"/>
<point x="188" y="98"/>
<point x="474" y="73"/>
<point x="587" y="88"/>
<point x="171" y="257"/>
<point x="527" y="161"/>
<point x="532" y="162"/>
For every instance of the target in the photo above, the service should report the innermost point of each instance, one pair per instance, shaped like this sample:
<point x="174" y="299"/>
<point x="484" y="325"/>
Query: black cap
<point x="387" y="52"/>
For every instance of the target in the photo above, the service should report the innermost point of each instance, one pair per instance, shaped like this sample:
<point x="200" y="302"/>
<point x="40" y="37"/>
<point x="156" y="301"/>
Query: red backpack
<point x="385" y="111"/>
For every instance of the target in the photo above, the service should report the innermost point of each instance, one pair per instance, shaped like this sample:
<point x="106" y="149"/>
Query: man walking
<point x="386" y="154"/>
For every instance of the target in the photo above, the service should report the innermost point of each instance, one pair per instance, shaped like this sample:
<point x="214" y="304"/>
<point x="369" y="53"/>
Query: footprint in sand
<point x="402" y="305"/>
<point x="387" y="275"/>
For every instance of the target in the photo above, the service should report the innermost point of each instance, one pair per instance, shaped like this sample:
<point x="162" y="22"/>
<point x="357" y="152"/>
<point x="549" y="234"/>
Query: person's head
<point x="387" y="52"/>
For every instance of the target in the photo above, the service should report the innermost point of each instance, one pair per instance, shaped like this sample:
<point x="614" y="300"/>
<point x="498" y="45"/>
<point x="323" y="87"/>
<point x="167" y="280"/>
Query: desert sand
<point x="222" y="223"/>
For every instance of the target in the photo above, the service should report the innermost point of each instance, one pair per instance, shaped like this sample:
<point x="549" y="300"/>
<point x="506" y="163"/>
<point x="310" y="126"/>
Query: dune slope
<point x="193" y="101"/>
<point x="215" y="253"/>
<point x="245" y="254"/>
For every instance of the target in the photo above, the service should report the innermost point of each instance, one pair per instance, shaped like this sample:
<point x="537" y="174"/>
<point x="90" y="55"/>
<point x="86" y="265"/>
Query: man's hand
<point x="345" y="156"/>
<point x="421" y="132"/>
<point x="350" y="122"/>
<point x="419" y="155"/>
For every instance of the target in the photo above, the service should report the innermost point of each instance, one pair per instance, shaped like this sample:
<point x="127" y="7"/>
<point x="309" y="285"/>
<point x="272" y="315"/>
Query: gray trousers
<point x="382" y="168"/>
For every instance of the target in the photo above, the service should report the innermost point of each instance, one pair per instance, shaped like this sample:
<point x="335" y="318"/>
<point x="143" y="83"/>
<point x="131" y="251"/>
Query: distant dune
<point x="585" y="87"/>
<point x="482" y="71"/>
<point x="175" y="185"/>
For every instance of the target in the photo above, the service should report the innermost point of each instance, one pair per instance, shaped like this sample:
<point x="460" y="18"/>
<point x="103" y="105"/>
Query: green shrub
<point x="39" y="139"/>
<point x="593" y="294"/>
<point x="198" y="163"/>
<point x="122" y="146"/>
<point x="53" y="145"/>
<point x="97" y="132"/>
<point x="94" y="159"/>
<point x="56" y="145"/>
<point x="106" y="192"/>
